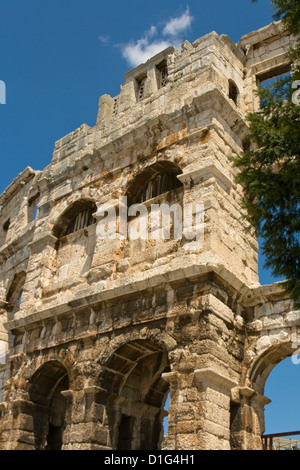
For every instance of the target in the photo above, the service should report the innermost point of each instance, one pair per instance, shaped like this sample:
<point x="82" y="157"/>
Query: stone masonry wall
<point x="95" y="333"/>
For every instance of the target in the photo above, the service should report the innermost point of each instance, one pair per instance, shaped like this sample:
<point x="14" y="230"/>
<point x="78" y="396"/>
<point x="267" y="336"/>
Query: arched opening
<point x="155" y="200"/>
<point x="75" y="233"/>
<point x="154" y="181"/>
<point x="233" y="91"/>
<point x="75" y="218"/>
<point x="50" y="405"/>
<point x="277" y="376"/>
<point x="137" y="395"/>
<point x="166" y="408"/>
<point x="14" y="295"/>
<point x="282" y="415"/>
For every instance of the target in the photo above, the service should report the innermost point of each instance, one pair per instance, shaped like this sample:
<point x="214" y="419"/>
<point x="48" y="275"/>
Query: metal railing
<point x="280" y="441"/>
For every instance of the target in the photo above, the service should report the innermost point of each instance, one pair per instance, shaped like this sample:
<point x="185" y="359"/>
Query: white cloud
<point x="155" y="41"/>
<point x="139" y="52"/>
<point x="104" y="39"/>
<point x="177" y="25"/>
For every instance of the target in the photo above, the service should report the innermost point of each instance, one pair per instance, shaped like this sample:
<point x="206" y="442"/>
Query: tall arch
<point x="233" y="91"/>
<point x="282" y="414"/>
<point x="264" y="365"/>
<point x="75" y="233"/>
<point x="14" y="294"/>
<point x="137" y="393"/>
<point x="249" y="401"/>
<point x="49" y="410"/>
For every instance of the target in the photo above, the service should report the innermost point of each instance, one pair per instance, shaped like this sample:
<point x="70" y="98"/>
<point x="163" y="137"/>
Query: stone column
<point x="247" y="418"/>
<point x="199" y="412"/>
<point x="214" y="392"/>
<point x="5" y="340"/>
<point x="24" y="426"/>
<point x="69" y="397"/>
<point x="4" y="337"/>
<point x="87" y="428"/>
<point x="39" y="270"/>
<point x="177" y="429"/>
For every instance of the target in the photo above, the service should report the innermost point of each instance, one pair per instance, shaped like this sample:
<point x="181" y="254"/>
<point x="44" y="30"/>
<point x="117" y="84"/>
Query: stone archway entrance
<point x="49" y="405"/>
<point x="267" y="361"/>
<point x="282" y="415"/>
<point x="136" y="395"/>
<point x="248" y="410"/>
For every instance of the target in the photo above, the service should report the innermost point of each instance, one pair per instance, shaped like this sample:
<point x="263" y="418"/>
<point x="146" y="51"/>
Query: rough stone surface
<point x="95" y="333"/>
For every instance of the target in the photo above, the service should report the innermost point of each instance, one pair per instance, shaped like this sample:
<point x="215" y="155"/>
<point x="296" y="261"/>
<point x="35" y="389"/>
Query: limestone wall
<point x="66" y="293"/>
<point x="16" y="231"/>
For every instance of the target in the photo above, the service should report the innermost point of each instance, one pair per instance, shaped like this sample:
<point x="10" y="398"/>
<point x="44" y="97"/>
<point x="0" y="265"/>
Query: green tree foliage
<point x="270" y="170"/>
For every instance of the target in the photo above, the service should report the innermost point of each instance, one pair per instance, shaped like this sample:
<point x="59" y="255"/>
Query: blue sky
<point x="58" y="57"/>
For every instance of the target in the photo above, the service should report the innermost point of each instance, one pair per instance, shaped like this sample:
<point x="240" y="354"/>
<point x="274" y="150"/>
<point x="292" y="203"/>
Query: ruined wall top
<point x="171" y="79"/>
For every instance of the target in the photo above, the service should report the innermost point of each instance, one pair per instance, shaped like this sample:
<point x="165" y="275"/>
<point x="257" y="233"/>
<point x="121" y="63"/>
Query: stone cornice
<point x="266" y="293"/>
<point x="191" y="268"/>
<point x="209" y="377"/>
<point x="249" y="295"/>
<point x="255" y="37"/>
<point x="208" y="169"/>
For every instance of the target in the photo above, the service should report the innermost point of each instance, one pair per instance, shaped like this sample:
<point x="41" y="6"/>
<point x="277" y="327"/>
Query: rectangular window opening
<point x="4" y="232"/>
<point x="162" y="74"/>
<point x="270" y="76"/>
<point x="33" y="208"/>
<point x="141" y="82"/>
<point x="115" y="108"/>
<point x="6" y="226"/>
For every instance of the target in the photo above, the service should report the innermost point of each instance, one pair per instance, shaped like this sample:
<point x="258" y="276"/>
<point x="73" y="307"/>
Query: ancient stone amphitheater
<point x="96" y="332"/>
